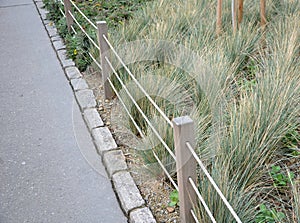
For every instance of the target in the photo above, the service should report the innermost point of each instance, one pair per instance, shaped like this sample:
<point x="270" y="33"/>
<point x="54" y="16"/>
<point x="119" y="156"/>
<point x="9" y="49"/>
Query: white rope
<point x="82" y="29"/>
<point x="143" y="136"/>
<point x="141" y="111"/>
<point x="73" y="30"/>
<point x="156" y="157"/>
<point x="123" y="104"/>
<point x="84" y="16"/>
<point x="138" y="84"/>
<point x="236" y="217"/>
<point x="120" y="99"/>
<point x="194" y="216"/>
<point x="202" y="200"/>
<point x="62" y="12"/>
<point x="95" y="61"/>
<point x="165" y="170"/>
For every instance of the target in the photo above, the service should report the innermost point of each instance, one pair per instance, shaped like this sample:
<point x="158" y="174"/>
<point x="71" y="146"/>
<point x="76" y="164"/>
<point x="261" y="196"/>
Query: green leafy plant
<point x="62" y="28"/>
<point x="266" y="215"/>
<point x="72" y="45"/>
<point x="292" y="138"/>
<point x="174" y="198"/>
<point x="280" y="179"/>
<point x="247" y="85"/>
<point x="295" y="153"/>
<point x="115" y="12"/>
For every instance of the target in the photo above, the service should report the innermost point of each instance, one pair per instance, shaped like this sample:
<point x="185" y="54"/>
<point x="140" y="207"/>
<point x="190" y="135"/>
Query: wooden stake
<point x="241" y="11"/>
<point x="234" y="15"/>
<point x="263" y="19"/>
<point x="104" y="53"/>
<point x="185" y="165"/>
<point x="68" y="9"/>
<point x="219" y="17"/>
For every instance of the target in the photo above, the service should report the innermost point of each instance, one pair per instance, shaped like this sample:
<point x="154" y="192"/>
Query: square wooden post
<point x="104" y="54"/>
<point x="185" y="165"/>
<point x="68" y="9"/>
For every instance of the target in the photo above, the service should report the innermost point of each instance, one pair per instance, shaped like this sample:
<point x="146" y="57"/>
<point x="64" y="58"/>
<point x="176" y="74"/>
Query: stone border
<point x="130" y="199"/>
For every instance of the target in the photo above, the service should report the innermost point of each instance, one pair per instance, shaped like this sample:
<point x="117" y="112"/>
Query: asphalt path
<point x="44" y="176"/>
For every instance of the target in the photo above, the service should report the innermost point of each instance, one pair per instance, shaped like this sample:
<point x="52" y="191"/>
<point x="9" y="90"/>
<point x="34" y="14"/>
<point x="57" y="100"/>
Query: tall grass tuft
<point x="258" y="85"/>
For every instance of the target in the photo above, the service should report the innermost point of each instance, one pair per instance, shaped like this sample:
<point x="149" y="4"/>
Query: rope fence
<point x="82" y="29"/>
<point x="83" y="15"/>
<point x="213" y="220"/>
<point x="140" y="110"/>
<point x="185" y="156"/>
<point x="211" y="180"/>
<point x="137" y="83"/>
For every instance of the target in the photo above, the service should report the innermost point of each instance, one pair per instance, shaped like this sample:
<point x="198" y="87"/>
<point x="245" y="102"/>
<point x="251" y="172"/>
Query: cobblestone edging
<point x="113" y="158"/>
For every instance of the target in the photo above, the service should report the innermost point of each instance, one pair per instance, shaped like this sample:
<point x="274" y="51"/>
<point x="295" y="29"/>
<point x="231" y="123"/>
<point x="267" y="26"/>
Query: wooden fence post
<point x="185" y="165"/>
<point x="69" y="19"/>
<point x="234" y="6"/>
<point x="104" y="53"/>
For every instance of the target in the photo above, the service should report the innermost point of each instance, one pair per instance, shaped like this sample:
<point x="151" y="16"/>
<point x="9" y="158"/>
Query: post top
<point x="183" y="120"/>
<point x="101" y="22"/>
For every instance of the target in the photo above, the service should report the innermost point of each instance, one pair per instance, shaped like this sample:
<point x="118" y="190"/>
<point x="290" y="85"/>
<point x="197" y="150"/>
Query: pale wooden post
<point x="185" y="166"/>
<point x="234" y="15"/>
<point x="219" y="17"/>
<point x="69" y="19"/>
<point x="104" y="53"/>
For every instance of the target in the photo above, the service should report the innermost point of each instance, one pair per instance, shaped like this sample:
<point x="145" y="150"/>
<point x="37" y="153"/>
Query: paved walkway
<point x="43" y="174"/>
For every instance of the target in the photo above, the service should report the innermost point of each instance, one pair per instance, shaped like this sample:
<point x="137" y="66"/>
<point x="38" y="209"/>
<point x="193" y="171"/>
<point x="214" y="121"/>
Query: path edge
<point x="127" y="193"/>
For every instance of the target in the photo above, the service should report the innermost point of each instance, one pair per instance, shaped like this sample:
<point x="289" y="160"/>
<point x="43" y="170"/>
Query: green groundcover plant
<point x="115" y="12"/>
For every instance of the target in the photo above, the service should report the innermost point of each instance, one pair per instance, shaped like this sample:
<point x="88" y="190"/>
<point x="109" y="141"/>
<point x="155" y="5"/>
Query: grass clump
<point x="242" y="90"/>
<point x="257" y="91"/>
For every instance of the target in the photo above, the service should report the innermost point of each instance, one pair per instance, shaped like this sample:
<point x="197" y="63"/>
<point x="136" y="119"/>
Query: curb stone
<point x="52" y="31"/>
<point x="59" y="45"/>
<point x="92" y="118"/>
<point x="86" y="99"/>
<point x="103" y="140"/>
<point x="141" y="215"/>
<point x="42" y="10"/>
<point x="114" y="161"/>
<point x="62" y="55"/>
<point x="79" y="84"/>
<point x="72" y="73"/>
<point x="55" y="38"/>
<point x="126" y="190"/>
